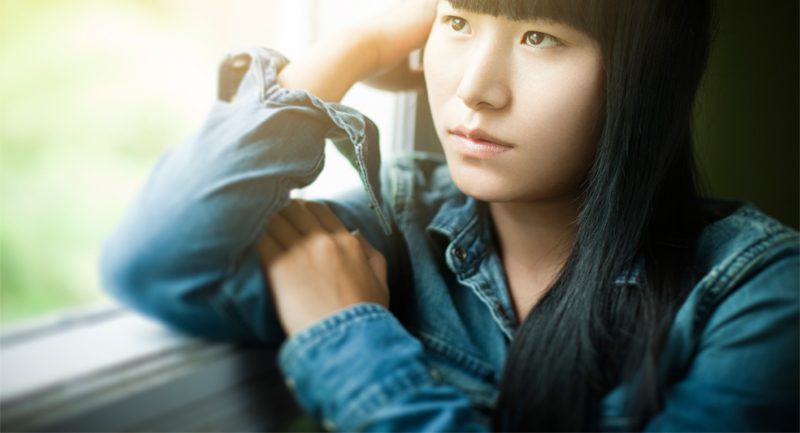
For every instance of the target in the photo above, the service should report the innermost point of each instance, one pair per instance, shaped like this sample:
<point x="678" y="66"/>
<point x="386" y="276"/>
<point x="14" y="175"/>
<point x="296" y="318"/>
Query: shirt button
<point x="459" y="253"/>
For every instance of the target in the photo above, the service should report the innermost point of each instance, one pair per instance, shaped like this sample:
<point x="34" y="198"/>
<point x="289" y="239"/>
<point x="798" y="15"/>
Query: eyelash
<point x="448" y="20"/>
<point x="545" y="36"/>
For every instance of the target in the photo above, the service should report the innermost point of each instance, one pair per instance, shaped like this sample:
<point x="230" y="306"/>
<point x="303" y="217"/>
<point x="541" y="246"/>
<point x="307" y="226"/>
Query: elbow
<point x="124" y="271"/>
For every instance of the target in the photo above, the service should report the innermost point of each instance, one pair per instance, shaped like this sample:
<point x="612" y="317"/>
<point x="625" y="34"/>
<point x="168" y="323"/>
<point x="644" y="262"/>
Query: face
<point x="516" y="104"/>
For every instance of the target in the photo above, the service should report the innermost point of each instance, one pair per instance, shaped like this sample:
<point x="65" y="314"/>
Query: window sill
<point x="110" y="369"/>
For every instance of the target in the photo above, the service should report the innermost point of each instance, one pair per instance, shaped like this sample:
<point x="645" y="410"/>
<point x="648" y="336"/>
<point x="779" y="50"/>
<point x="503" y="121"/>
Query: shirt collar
<point x="461" y="226"/>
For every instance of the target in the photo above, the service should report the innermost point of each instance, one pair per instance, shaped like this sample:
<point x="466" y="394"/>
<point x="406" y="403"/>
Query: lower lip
<point x="478" y="148"/>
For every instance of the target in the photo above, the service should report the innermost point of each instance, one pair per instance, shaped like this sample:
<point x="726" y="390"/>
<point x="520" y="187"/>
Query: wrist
<point x="334" y="64"/>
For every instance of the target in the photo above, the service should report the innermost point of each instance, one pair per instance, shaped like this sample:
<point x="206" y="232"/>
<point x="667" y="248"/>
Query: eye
<point x="540" y="40"/>
<point x="456" y="23"/>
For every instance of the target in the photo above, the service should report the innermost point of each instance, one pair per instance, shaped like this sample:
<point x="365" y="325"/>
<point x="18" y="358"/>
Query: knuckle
<point x="292" y="207"/>
<point x="314" y="205"/>
<point x="349" y="241"/>
<point x="322" y="243"/>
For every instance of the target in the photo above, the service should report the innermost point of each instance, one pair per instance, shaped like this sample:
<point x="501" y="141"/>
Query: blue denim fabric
<point x="432" y="362"/>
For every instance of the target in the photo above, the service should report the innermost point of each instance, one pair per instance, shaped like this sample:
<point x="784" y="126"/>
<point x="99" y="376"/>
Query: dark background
<point x="747" y="114"/>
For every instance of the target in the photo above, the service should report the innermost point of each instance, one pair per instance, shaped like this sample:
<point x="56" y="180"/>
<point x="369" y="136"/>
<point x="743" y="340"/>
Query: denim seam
<point x="469" y="267"/>
<point x="494" y="299"/>
<point x="356" y="134"/>
<point x="487" y="300"/>
<point x="380" y="394"/>
<point x="474" y="264"/>
<point x="299" y="345"/>
<point x="724" y="278"/>
<point x="469" y="362"/>
<point x="361" y="155"/>
<point x="502" y="297"/>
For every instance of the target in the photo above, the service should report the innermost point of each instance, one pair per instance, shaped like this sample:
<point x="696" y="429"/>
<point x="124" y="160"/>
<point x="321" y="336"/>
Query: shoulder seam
<point x="725" y="278"/>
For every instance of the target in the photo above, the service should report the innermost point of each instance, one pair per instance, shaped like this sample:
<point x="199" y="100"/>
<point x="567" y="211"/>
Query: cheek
<point x="442" y="64"/>
<point x="439" y="85"/>
<point x="568" y="99"/>
<point x="564" y="110"/>
<point x="559" y="130"/>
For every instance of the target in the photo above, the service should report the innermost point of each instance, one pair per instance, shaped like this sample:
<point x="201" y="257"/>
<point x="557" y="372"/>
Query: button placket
<point x="500" y="309"/>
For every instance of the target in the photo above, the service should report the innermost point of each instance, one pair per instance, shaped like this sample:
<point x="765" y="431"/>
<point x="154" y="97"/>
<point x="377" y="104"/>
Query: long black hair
<point x="590" y="333"/>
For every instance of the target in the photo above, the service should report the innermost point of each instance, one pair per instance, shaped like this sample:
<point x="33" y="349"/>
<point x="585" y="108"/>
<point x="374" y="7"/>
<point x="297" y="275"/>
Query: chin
<point x="484" y="182"/>
<point x="487" y="188"/>
<point x="502" y="187"/>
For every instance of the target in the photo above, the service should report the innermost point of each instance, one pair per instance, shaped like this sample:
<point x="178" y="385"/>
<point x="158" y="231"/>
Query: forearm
<point x="333" y="65"/>
<point x="370" y="50"/>
<point x="208" y="200"/>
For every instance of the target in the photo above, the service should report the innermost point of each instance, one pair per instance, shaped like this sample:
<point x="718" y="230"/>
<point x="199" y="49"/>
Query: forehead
<point x="583" y="15"/>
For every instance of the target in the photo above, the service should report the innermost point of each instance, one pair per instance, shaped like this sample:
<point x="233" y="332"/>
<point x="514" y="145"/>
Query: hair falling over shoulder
<point x="588" y="334"/>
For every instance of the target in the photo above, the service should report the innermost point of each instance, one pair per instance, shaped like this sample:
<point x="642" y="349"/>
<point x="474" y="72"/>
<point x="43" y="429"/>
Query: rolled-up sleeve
<point x="183" y="252"/>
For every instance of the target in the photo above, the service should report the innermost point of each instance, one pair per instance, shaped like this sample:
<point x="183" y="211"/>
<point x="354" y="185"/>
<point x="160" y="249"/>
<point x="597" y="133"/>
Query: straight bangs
<point x="587" y="16"/>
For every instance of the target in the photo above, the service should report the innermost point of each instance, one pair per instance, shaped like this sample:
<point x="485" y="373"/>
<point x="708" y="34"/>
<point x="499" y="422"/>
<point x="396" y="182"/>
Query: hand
<point x="316" y="267"/>
<point x="396" y="33"/>
<point x="373" y="50"/>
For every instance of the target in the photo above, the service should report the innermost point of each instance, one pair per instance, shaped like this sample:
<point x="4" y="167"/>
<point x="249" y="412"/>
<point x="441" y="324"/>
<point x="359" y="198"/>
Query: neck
<point x="534" y="241"/>
<point x="535" y="232"/>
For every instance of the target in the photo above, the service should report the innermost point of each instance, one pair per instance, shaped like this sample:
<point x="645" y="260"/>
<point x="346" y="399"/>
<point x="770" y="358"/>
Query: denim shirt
<point x="432" y="361"/>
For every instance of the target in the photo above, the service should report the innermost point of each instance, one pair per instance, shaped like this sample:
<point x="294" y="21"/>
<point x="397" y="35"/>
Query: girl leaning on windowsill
<point x="556" y="270"/>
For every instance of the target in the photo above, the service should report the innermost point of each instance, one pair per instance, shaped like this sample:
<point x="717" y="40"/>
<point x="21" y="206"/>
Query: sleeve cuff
<point x="351" y="364"/>
<point x="252" y="72"/>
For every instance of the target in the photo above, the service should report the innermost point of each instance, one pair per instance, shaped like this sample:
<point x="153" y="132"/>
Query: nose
<point x="484" y="82"/>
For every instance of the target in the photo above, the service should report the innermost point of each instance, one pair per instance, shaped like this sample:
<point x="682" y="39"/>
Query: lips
<point x="476" y="143"/>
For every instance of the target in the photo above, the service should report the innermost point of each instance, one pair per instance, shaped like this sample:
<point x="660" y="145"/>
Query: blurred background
<point x="93" y="91"/>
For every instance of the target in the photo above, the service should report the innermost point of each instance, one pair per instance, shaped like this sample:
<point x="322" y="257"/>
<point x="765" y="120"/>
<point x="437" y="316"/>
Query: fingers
<point x="369" y="250"/>
<point x="301" y="218"/>
<point x="292" y="223"/>
<point x="268" y="249"/>
<point x="326" y="217"/>
<point x="298" y="215"/>
<point x="281" y="231"/>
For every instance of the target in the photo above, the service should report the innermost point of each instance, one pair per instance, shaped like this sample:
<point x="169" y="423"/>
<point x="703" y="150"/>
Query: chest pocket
<point x="455" y="367"/>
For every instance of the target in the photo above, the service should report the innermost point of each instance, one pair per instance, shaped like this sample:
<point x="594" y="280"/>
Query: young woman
<point x="557" y="272"/>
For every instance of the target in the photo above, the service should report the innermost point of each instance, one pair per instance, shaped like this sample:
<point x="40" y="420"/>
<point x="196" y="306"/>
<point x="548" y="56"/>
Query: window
<point x="129" y="79"/>
<point x="95" y="91"/>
